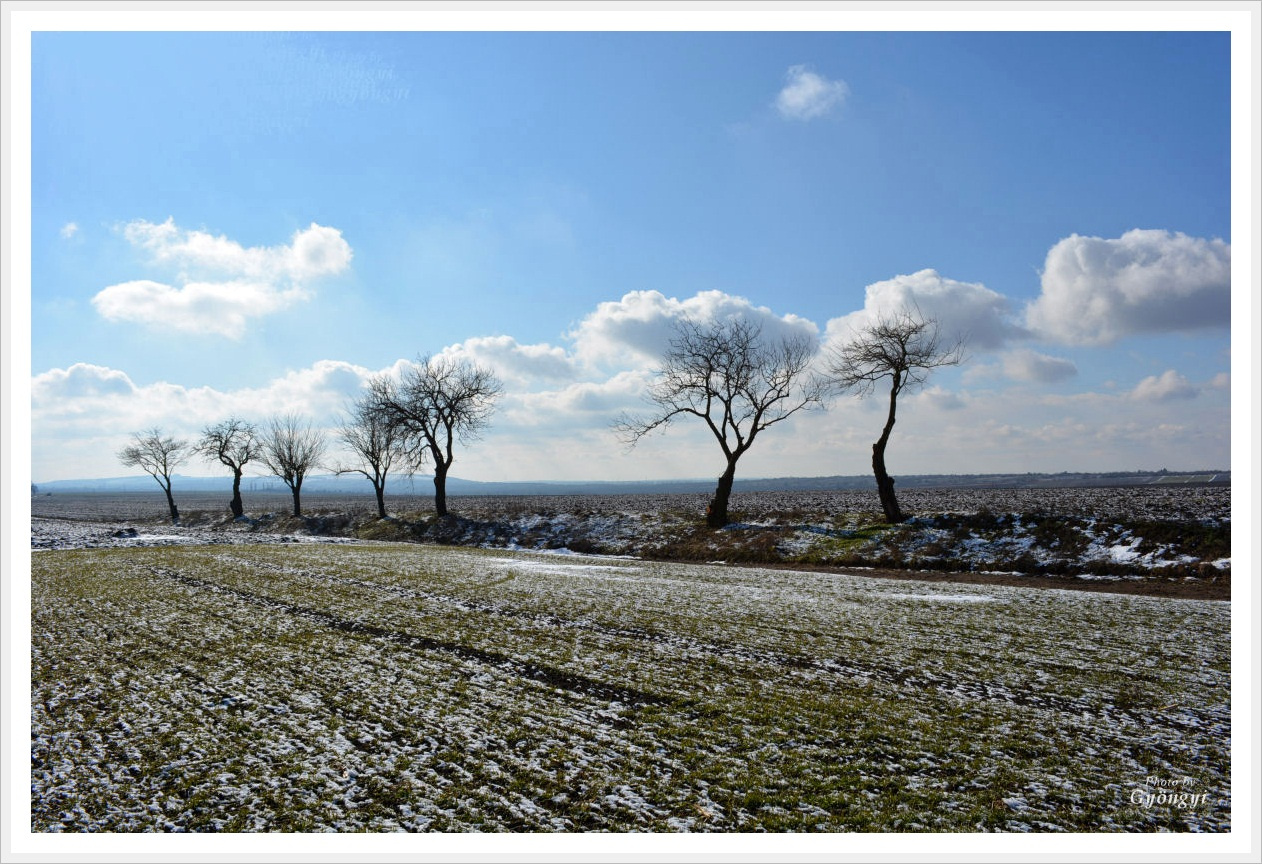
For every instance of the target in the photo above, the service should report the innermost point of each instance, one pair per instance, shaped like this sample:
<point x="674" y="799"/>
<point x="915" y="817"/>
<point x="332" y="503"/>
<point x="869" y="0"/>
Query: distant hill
<point x="329" y="484"/>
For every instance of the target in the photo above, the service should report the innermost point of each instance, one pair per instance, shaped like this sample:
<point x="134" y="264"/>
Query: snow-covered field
<point x="311" y="686"/>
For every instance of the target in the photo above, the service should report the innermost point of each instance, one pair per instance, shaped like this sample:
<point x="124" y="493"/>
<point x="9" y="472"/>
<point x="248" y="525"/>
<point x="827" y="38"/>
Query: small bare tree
<point x="903" y="347"/>
<point x="737" y="383"/>
<point x="291" y="448"/>
<point x="438" y="402"/>
<point x="234" y="443"/>
<point x="367" y="433"/>
<point x="157" y="455"/>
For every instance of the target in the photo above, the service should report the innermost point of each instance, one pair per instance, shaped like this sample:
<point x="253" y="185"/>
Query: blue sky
<point x="240" y="223"/>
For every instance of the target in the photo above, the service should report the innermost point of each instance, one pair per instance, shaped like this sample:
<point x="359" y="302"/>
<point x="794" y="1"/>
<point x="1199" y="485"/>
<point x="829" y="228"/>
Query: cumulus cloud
<point x="639" y="327"/>
<point x="80" y="381"/>
<point x="116" y="401"/>
<point x="223" y="308"/>
<point x="84" y="413"/>
<point x="553" y="421"/>
<point x="1096" y="291"/>
<point x="966" y="310"/>
<point x="514" y="362"/>
<point x="69" y="230"/>
<point x="224" y="283"/>
<point x="582" y="402"/>
<point x="807" y="95"/>
<point x="1169" y="386"/>
<point x="1026" y="365"/>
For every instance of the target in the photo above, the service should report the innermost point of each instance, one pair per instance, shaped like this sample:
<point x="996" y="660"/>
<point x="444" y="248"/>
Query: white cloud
<point x="638" y="328"/>
<point x="312" y="252"/>
<point x="80" y="381"/>
<point x="554" y="419"/>
<point x="581" y="403"/>
<point x="514" y="362"/>
<point x="1097" y="291"/>
<point x="223" y="308"/>
<point x="807" y="95"/>
<point x="224" y="284"/>
<point x="966" y="310"/>
<point x="1026" y="365"/>
<point x="1166" y="387"/>
<point x="88" y="403"/>
<point x="83" y="414"/>
<point x="69" y="230"/>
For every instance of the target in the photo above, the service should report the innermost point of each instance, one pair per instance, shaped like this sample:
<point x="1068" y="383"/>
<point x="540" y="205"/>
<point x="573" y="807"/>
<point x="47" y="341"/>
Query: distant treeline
<point x="420" y="484"/>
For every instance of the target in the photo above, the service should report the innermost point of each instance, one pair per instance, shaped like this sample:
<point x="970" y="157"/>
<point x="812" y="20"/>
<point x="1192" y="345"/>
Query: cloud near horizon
<point x="224" y="284"/>
<point x="1097" y="291"/>
<point x="554" y="419"/>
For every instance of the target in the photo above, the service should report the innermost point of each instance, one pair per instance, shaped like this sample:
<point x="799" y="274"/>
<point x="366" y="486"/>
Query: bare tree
<point x="291" y="448"/>
<point x="234" y="443"/>
<point x="367" y="433"/>
<point x="158" y="455"/>
<point x="903" y="347"/>
<point x="438" y="402"/>
<point x="737" y="383"/>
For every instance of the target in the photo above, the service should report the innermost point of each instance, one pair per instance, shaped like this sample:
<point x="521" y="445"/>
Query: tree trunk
<point x="238" y="510"/>
<point x="716" y="513"/>
<point x="884" y="482"/>
<point x="885" y="485"/>
<point x="380" y="489"/>
<point x="440" y="489"/>
<point x="297" y="500"/>
<point x="175" y="512"/>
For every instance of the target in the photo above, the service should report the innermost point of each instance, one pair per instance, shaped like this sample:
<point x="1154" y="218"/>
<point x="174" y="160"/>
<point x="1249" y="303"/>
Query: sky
<point x="240" y="224"/>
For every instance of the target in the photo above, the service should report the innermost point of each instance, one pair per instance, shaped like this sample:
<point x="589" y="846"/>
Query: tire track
<point x="881" y="673"/>
<point x="544" y="675"/>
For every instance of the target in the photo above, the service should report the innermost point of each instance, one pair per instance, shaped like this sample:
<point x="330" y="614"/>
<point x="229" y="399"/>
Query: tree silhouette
<point x="903" y="347"/>
<point x="438" y="402"/>
<point x="234" y="443"/>
<point x="157" y="455"/>
<point x="375" y="444"/>
<point x="736" y="382"/>
<point x="291" y="448"/>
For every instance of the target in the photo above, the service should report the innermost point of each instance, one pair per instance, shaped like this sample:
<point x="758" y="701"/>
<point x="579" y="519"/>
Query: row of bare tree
<point x="438" y="403"/>
<point x="288" y="446"/>
<point x="724" y="373"/>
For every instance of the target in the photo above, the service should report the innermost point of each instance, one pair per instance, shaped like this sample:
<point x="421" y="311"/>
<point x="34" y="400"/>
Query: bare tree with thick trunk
<point x="438" y="402"/>
<point x="292" y="448"/>
<point x="157" y="455"/>
<point x="367" y="433"/>
<point x="234" y="443"/>
<point x="737" y="383"/>
<point x="903" y="347"/>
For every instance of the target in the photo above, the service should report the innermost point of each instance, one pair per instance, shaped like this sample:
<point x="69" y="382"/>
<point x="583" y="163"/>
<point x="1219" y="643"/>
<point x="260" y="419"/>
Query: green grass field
<point x="403" y="687"/>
